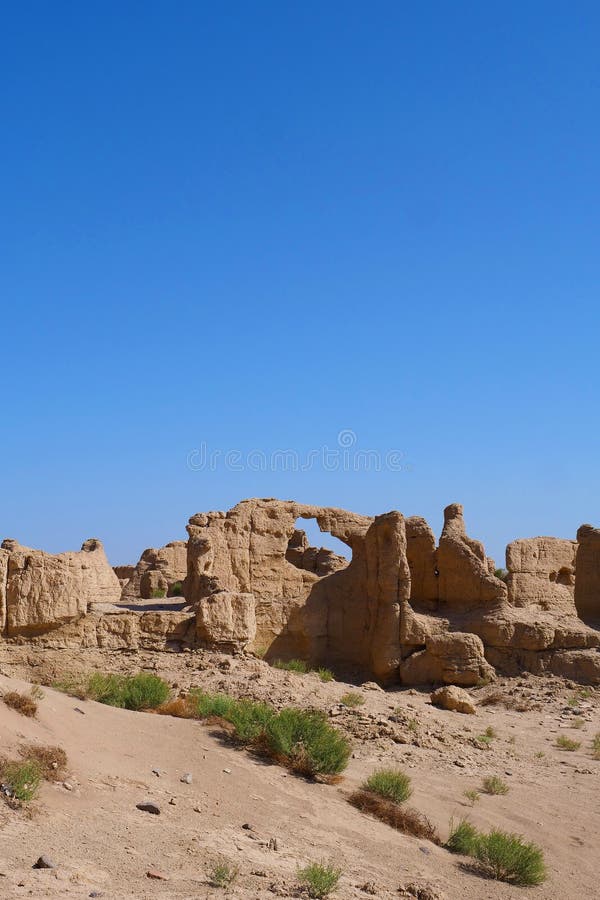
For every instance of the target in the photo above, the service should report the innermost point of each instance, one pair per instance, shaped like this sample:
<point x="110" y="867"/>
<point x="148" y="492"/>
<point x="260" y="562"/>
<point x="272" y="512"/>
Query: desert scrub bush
<point x="494" y="785"/>
<point x="305" y="741"/>
<point x="37" y="692"/>
<point x="319" y="879"/>
<point x="21" y="779"/>
<point x="463" y="838"/>
<point x="397" y="815"/>
<point x="177" y="589"/>
<point x="507" y="857"/>
<point x="565" y="743"/>
<point x="352" y="699"/>
<point x="578" y="722"/>
<point x="50" y="760"/>
<point x="136" y="692"/>
<point x="325" y="674"/>
<point x="22" y="703"/>
<point x="158" y="594"/>
<point x="291" y="665"/>
<point x="596" y="746"/>
<point x="389" y="783"/>
<point x="222" y="874"/>
<point x="502" y="574"/>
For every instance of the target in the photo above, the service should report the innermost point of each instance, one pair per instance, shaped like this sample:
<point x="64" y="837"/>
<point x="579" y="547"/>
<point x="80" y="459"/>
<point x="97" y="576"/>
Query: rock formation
<point x="41" y="591"/>
<point x="587" y="583"/>
<point x="157" y="573"/>
<point x="403" y="608"/>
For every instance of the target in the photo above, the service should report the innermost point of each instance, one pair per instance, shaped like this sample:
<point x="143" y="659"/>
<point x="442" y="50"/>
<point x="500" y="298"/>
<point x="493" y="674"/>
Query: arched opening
<point x="316" y="551"/>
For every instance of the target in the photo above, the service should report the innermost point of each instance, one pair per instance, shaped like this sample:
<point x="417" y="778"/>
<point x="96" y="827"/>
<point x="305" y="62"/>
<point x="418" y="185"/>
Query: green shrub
<point x="463" y="838"/>
<point x="177" y="589"/>
<point x="291" y="665"/>
<point x="596" y="746"/>
<point x="208" y="706"/>
<point x="142" y="691"/>
<point x="23" y="778"/>
<point x="325" y="674"/>
<point x="319" y="879"/>
<point x="565" y="743"/>
<point x="158" y="594"/>
<point x="389" y="783"/>
<point x="494" y="785"/>
<point x="508" y="857"/>
<point x="307" y="742"/>
<point x="249" y="719"/>
<point x="222" y="874"/>
<point x="352" y="699"/>
<point x="502" y="574"/>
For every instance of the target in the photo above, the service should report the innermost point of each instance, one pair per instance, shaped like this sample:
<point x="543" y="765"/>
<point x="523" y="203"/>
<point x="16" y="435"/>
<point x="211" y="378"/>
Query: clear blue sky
<point x="256" y="224"/>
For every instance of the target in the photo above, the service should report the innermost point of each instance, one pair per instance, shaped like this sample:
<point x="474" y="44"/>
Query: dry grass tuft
<point x="402" y="818"/>
<point x="180" y="707"/>
<point x="52" y="761"/>
<point x="22" y="703"/>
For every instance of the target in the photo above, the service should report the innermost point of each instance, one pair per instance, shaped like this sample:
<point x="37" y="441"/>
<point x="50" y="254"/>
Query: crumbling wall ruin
<point x="404" y="608"/>
<point x="157" y="573"/>
<point x="41" y="591"/>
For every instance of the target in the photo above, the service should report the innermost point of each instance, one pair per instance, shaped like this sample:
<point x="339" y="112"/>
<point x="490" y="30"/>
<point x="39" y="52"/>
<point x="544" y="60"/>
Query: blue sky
<point x="252" y="226"/>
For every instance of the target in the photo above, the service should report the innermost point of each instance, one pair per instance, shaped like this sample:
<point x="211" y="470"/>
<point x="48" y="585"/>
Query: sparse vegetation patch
<point x="565" y="743"/>
<point x="222" y="874"/>
<point x="319" y="879"/>
<point x="494" y="785"/>
<point x="352" y="699"/>
<point x="389" y="783"/>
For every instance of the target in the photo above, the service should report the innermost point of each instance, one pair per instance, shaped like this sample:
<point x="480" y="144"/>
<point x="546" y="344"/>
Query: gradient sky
<point x="255" y="225"/>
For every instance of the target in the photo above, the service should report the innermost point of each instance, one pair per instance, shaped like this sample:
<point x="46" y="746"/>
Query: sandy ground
<point x="103" y="846"/>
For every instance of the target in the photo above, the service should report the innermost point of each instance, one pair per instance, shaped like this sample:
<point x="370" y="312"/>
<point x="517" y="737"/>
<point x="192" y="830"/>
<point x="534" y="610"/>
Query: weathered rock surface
<point x="157" y="572"/>
<point x="43" y="590"/>
<point x="452" y="658"/>
<point x="541" y="572"/>
<point x="587" y="583"/>
<point x="454" y="699"/>
<point x="226" y="620"/>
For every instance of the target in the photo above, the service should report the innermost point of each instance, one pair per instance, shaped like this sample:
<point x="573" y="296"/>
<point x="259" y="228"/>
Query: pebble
<point x="151" y="808"/>
<point x="159" y="876"/>
<point x="95" y="894"/>
<point x="227" y="771"/>
<point x="67" y="786"/>
<point x="44" y="862"/>
<point x="156" y="772"/>
<point x="186" y="778"/>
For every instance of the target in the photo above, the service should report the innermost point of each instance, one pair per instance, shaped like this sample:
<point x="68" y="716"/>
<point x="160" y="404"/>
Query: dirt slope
<point x="102" y="843"/>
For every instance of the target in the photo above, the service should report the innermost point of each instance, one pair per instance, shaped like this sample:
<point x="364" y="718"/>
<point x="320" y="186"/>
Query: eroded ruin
<point x="403" y="608"/>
